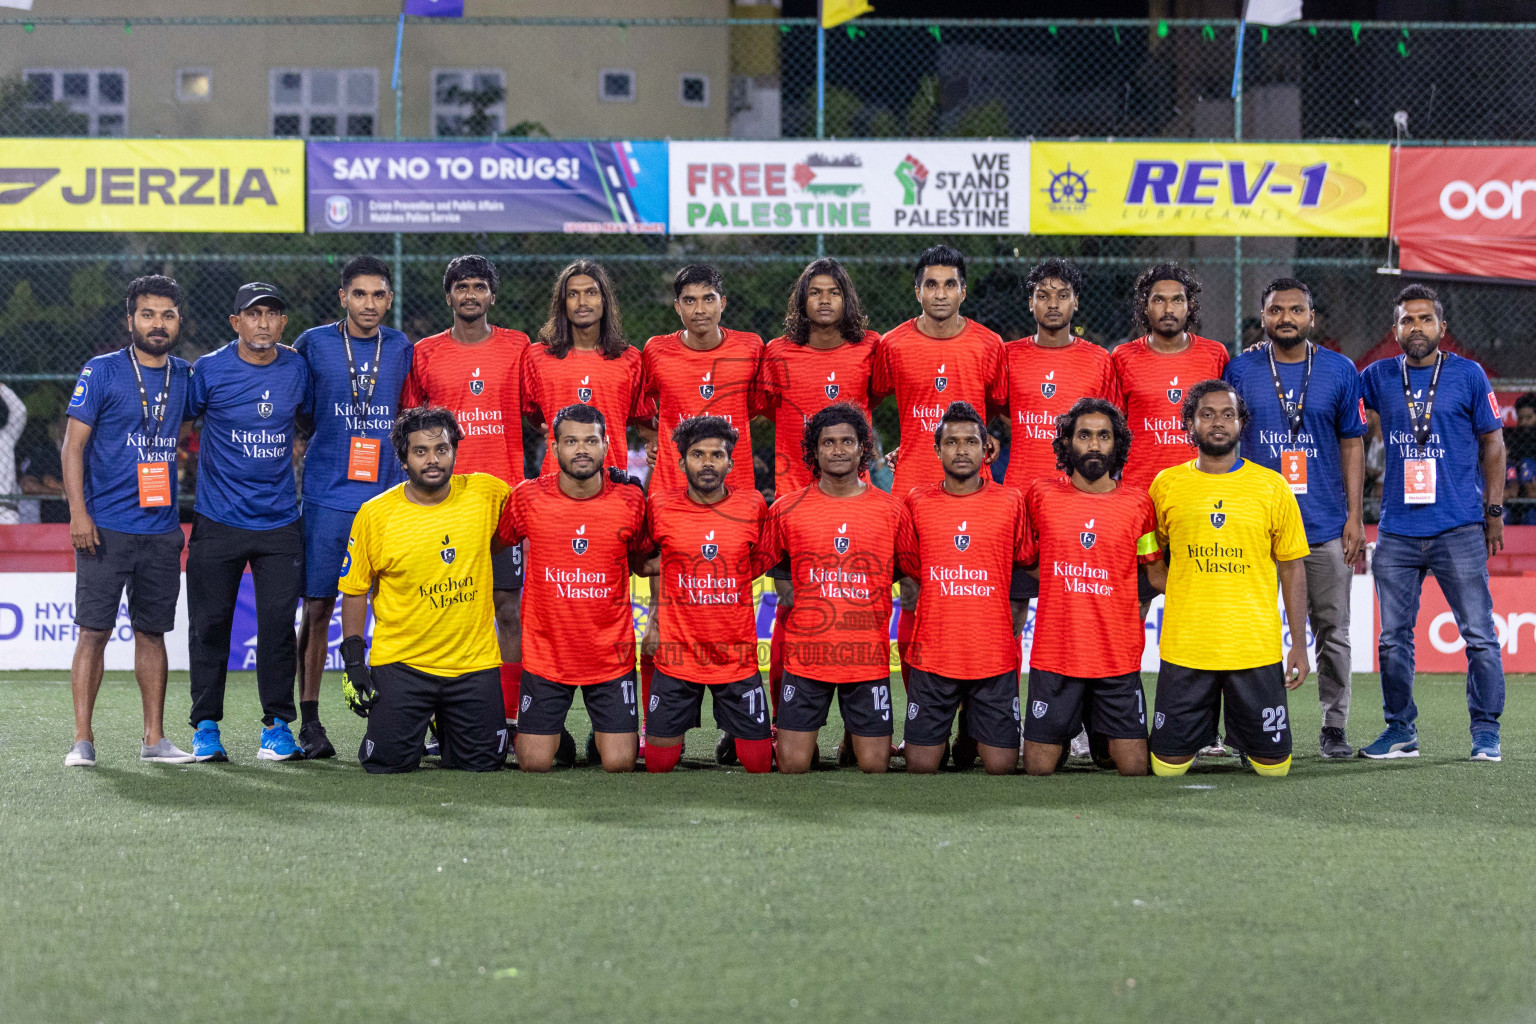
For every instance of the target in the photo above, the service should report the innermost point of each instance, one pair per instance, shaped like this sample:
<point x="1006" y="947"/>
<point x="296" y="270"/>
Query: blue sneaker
<point x="278" y="744"/>
<point x="1485" y="747"/>
<point x="1394" y="741"/>
<point x="206" y="745"/>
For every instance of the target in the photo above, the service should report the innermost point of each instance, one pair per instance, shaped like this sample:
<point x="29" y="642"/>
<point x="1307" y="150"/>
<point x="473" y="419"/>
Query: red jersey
<point x="926" y="374"/>
<point x="482" y="385"/>
<point x="798" y="381"/>
<point x="681" y="383"/>
<point x="961" y="550"/>
<point x="1152" y="386"/>
<point x="1042" y="384"/>
<point x="612" y="386"/>
<point x="842" y="555"/>
<point x="708" y="562"/>
<point x="1087" y="619"/>
<point x="578" y="620"/>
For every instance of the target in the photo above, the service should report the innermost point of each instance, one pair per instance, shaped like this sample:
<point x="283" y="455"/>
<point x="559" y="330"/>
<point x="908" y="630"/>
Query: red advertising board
<point x="1466" y="210"/>
<point x="1438" y="646"/>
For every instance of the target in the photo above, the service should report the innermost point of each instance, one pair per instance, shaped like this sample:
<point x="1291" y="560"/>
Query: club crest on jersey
<point x="1157" y="720"/>
<point x="1048" y="386"/>
<point x="940" y="382"/>
<point x="579" y="542"/>
<point x="840" y="542"/>
<point x="707" y="390"/>
<point x="264" y="407"/>
<point x="1039" y="708"/>
<point x="584" y="393"/>
<point x="1174" y="392"/>
<point x="1086" y="536"/>
<point x="1218" y="519"/>
<point x="962" y="539"/>
<point x="707" y="549"/>
<point x="476" y="387"/>
<point x="830" y="388"/>
<point x="448" y="553"/>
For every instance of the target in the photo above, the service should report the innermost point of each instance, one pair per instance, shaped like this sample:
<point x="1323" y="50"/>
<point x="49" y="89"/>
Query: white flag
<point x="20" y="5"/>
<point x="1273" y="12"/>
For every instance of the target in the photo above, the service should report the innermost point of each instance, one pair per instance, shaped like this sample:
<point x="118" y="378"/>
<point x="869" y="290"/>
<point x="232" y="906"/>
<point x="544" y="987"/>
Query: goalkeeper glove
<point x="358" y="685"/>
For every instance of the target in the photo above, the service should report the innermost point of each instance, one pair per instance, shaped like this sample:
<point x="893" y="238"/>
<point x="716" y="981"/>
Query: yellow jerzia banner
<point x="1198" y="188"/>
<point x="151" y="185"/>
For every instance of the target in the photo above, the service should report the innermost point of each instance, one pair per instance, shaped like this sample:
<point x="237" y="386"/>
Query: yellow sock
<point x="1169" y="771"/>
<point x="1272" y="770"/>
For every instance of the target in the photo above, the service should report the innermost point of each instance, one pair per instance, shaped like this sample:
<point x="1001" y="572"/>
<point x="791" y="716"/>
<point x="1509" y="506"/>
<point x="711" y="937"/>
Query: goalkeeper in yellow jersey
<point x="423" y="548"/>
<point x="1231" y="528"/>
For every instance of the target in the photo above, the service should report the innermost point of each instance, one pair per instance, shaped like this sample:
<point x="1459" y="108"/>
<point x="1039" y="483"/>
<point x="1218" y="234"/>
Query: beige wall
<point x="551" y="71"/>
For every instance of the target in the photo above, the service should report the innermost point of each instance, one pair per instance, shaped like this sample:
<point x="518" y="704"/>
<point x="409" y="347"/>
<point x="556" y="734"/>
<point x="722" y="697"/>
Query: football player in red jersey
<point x="582" y="357"/>
<point x="827" y="354"/>
<point x="703" y="634"/>
<point x="840" y="536"/>
<point x="475" y="371"/>
<point x="585" y="528"/>
<point x="960" y="540"/>
<point x="1089" y="534"/>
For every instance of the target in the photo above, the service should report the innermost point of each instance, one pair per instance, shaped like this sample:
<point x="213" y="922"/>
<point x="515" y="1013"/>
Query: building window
<point x="693" y="90"/>
<point x="323" y="101"/>
<point x="468" y="101"/>
<point x="100" y="94"/>
<point x="194" y="85"/>
<point x="616" y="85"/>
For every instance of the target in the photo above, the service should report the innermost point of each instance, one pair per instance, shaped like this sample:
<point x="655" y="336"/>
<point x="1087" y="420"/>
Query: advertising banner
<point x="1437" y="643"/>
<point x="914" y="186"/>
<point x="1466" y="210"/>
<point x="1197" y="188"/>
<point x="569" y="187"/>
<point x="152" y="185"/>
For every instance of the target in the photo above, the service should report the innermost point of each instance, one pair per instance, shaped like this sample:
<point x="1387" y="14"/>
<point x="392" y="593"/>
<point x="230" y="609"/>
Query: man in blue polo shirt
<point x="1440" y="513"/>
<point x="119" y="462"/>
<point x="1307" y="424"/>
<point x="358" y="368"/>
<point x="248" y="394"/>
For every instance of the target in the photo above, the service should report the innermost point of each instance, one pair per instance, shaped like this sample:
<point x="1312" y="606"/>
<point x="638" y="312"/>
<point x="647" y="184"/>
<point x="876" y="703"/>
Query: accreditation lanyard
<point x="150" y="420"/>
<point x="360" y="398"/>
<point x="153" y="478"/>
<point x="1301" y="396"/>
<point x="1421" y="426"/>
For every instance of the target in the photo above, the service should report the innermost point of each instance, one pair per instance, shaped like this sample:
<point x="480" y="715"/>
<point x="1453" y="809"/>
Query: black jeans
<point x="216" y="559"/>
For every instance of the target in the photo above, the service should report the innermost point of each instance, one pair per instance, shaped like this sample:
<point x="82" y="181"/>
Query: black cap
<point x="257" y="291"/>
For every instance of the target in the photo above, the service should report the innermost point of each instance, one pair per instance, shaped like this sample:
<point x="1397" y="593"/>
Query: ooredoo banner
<point x="152" y="185"/>
<point x="569" y="187"/>
<point x="1466" y="210"/>
<point x="914" y="186"/>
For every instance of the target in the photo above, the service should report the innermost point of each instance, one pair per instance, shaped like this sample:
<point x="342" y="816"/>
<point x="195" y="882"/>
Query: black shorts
<point x="991" y="708"/>
<point x="507" y="568"/>
<point x="1114" y="707"/>
<point x="611" y="706"/>
<point x="741" y="708"/>
<point x="779" y="571"/>
<point x="471" y="726"/>
<point x="866" y="707"/>
<point x="1022" y="586"/>
<point x="1252" y="701"/>
<point x="147" y="564"/>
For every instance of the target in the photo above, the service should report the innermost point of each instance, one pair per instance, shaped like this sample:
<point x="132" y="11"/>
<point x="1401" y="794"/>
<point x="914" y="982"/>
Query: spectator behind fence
<point x="10" y="433"/>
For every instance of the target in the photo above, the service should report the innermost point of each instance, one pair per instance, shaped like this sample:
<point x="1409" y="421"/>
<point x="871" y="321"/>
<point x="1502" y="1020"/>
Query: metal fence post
<point x="1237" y="240"/>
<point x="821" y="104"/>
<point x="399" y="305"/>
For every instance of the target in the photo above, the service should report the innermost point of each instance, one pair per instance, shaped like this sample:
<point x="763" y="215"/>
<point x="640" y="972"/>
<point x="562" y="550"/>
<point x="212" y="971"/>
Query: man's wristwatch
<point x="1493" y="511"/>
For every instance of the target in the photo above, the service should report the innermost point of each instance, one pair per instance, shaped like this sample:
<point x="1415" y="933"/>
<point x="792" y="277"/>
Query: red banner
<point x="1438" y="646"/>
<point x="1466" y="211"/>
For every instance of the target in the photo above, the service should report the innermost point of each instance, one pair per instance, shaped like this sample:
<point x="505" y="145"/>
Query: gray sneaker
<point x="165" y="752"/>
<point x="1332" y="744"/>
<point x="81" y="755"/>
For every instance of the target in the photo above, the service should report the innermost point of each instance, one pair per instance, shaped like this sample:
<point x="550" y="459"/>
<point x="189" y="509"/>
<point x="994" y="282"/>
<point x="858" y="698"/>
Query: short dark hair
<point x="699" y="428"/>
<point x="468" y="268"/>
<point x="940" y="256"/>
<point x="837" y="414"/>
<point x="1285" y="284"/>
<point x="1526" y="401"/>
<point x="367" y="266"/>
<point x="152" y="284"/>
<point x="1063" y="270"/>
<point x="1066" y="426"/>
<point x="697" y="273"/>
<point x="423" y="417"/>
<point x="961" y="412"/>
<point x="1207" y="387"/>
<point x="1415" y="293"/>
<point x="578" y="413"/>
<point x="1142" y="291"/>
<point x="797" y="326"/>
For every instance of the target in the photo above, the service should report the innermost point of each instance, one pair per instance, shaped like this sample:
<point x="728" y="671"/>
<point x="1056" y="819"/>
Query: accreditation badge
<point x="363" y="459"/>
<point x="154" y="484"/>
<point x="1293" y="466"/>
<point x="1419" y="481"/>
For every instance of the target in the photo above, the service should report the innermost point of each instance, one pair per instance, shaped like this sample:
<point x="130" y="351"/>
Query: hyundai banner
<point x="809" y="186"/>
<point x="569" y="187"/>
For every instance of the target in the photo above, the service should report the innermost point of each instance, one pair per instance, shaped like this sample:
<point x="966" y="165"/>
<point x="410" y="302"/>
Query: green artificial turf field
<point x="311" y="892"/>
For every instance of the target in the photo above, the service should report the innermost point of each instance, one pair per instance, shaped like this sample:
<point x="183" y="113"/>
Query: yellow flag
<point x="835" y="12"/>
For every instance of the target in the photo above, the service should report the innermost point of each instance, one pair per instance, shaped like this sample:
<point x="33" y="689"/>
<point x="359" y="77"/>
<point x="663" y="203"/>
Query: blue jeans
<point x="1459" y="560"/>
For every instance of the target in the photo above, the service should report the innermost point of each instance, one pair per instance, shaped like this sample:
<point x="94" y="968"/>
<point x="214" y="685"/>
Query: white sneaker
<point x="81" y="755"/>
<point x="165" y="752"/>
<point x="1080" y="746"/>
<point x="1215" y="750"/>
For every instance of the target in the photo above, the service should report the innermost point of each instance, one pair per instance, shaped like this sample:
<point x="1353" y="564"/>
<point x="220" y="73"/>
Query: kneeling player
<point x="960" y="540"/>
<point x="586" y="532"/>
<point x="840" y="536"/>
<point x="705" y="633"/>
<point x="1231" y="527"/>
<point x="1090" y="534"/>
<point x="426" y="545"/>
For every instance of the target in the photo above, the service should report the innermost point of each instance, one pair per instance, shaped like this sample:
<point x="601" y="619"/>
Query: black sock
<point x="309" y="711"/>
